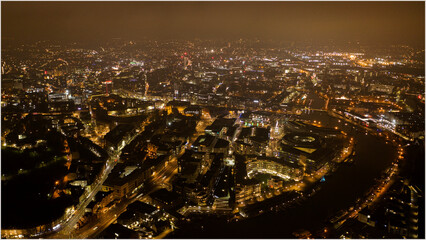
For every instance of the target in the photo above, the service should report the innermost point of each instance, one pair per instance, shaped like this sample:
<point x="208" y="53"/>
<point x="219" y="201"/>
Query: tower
<point x="186" y="63"/>
<point x="176" y="90"/>
<point x="146" y="85"/>
<point x="109" y="82"/>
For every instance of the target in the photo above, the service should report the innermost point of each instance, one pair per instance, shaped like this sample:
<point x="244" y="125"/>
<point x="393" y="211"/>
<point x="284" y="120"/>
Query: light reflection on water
<point x="340" y="191"/>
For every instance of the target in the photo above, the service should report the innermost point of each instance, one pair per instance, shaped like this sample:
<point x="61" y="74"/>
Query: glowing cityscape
<point x="212" y="120"/>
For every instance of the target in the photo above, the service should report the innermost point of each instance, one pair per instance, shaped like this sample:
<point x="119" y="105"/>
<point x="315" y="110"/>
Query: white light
<point x="56" y="227"/>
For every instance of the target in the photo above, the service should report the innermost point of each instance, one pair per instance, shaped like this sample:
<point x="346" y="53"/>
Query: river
<point x="340" y="191"/>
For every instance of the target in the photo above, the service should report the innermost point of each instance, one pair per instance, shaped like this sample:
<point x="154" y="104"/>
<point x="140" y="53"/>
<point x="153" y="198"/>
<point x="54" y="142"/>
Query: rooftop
<point x="117" y="134"/>
<point x="204" y="140"/>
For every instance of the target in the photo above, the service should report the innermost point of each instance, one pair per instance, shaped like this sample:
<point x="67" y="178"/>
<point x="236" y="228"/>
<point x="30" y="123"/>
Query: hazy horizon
<point x="368" y="22"/>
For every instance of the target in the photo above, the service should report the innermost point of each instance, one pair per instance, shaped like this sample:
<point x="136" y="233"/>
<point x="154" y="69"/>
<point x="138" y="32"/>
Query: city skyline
<point x="150" y="120"/>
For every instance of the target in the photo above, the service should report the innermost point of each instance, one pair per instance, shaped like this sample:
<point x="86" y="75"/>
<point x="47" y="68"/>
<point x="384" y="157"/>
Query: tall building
<point x="186" y="62"/>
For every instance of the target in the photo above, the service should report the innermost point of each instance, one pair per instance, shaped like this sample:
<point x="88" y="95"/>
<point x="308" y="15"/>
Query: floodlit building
<point x="274" y="166"/>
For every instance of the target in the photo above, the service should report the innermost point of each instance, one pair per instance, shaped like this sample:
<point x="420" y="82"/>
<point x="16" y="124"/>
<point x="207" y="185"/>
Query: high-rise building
<point x="186" y="62"/>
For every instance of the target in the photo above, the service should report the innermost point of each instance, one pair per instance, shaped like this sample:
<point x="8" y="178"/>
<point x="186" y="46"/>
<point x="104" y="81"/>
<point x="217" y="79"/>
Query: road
<point x="96" y="226"/>
<point x="164" y="234"/>
<point x="79" y="211"/>
<point x="65" y="229"/>
<point x="158" y="181"/>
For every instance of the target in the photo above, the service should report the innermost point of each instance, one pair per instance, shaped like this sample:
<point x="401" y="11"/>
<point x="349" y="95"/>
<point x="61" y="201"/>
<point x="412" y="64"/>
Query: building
<point x="253" y="140"/>
<point x="310" y="150"/>
<point x="167" y="199"/>
<point x="204" y="143"/>
<point x="274" y="166"/>
<point x="193" y="110"/>
<point x="299" y="126"/>
<point x="124" y="179"/>
<point x="179" y="105"/>
<point x="221" y="146"/>
<point x="117" y="137"/>
<point x="191" y="163"/>
<point x="103" y="200"/>
<point x="220" y="126"/>
<point x="138" y="213"/>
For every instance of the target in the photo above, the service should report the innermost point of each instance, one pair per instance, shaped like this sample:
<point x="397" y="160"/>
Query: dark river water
<point x="340" y="191"/>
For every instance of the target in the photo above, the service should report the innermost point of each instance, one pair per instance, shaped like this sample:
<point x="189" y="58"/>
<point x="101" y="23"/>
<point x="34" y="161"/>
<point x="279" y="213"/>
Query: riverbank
<point x="340" y="191"/>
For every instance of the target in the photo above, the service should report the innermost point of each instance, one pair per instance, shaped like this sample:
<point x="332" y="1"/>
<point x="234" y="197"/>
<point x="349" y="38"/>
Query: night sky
<point x="369" y="22"/>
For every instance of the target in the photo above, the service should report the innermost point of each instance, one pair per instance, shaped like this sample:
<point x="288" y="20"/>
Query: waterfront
<point x="168" y="121"/>
<point x="340" y="191"/>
